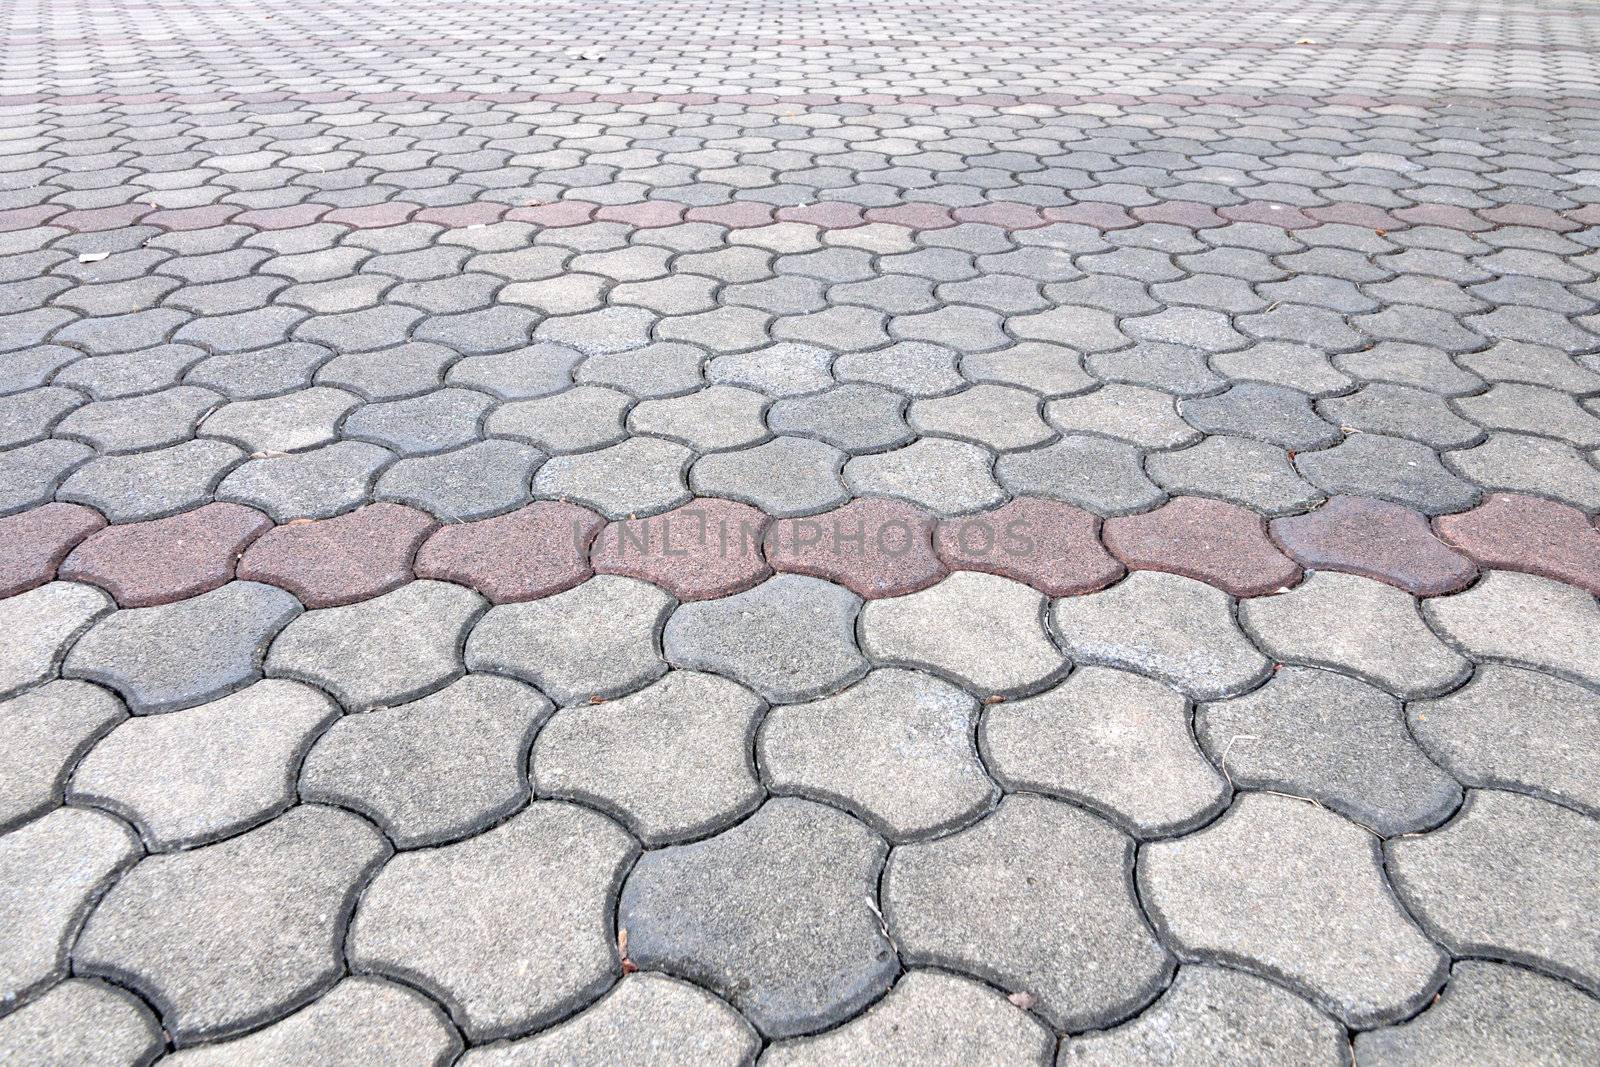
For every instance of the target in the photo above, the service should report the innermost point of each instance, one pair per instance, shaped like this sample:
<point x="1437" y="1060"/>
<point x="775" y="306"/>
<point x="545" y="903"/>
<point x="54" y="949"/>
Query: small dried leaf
<point x="1022" y="1000"/>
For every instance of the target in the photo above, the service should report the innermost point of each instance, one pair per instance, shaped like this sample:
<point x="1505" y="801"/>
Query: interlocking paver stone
<point x="157" y="562"/>
<point x="189" y="777"/>
<point x="854" y="418"/>
<point x="597" y="639"/>
<point x="510" y="929"/>
<point x="1296" y="893"/>
<point x="791" y="638"/>
<point x="701" y="550"/>
<point x="1256" y="475"/>
<point x="33" y="543"/>
<point x="874" y="548"/>
<point x="1524" y="620"/>
<point x="1059" y="924"/>
<point x="671" y="761"/>
<point x="894" y="748"/>
<point x="1375" y="539"/>
<point x="531" y="553"/>
<point x="305" y="485"/>
<point x="292" y="422"/>
<point x="1163" y="625"/>
<point x="187" y="653"/>
<point x="227" y="936"/>
<point x="82" y="1022"/>
<point x="1390" y="468"/>
<point x="1143" y="417"/>
<point x="1519" y="463"/>
<point x="929" y="1017"/>
<point x="1051" y="546"/>
<point x="776" y="915"/>
<point x="146" y="485"/>
<point x="1103" y="476"/>
<point x="1515" y="729"/>
<point x="342" y="560"/>
<point x="1508" y="878"/>
<point x="360" y="1018"/>
<point x="1353" y="624"/>
<point x="1332" y="739"/>
<point x="383" y="651"/>
<point x="1124" y="732"/>
<point x="640" y="476"/>
<point x="1513" y="532"/>
<point x="944" y="476"/>
<point x="1218" y="543"/>
<point x="646" y="1018"/>
<point x="483" y="479"/>
<point x="39" y="626"/>
<point x="784" y="476"/>
<point x="52" y="870"/>
<point x="45" y="731"/>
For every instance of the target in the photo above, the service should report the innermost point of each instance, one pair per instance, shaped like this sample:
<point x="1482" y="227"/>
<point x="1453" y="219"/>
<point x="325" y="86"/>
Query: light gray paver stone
<point x="716" y="418"/>
<point x="1294" y="892"/>
<point x="307" y="485"/>
<point x="855" y="418"/>
<point x="510" y="929"/>
<point x="1058" y="919"/>
<point x="1332" y="739"/>
<point x="1525" y="620"/>
<point x="776" y="915"/>
<point x="1524" y="464"/>
<point x="185" y="653"/>
<point x="485" y="478"/>
<point x="597" y="639"/>
<point x="29" y="475"/>
<point x="785" y="369"/>
<point x="579" y="419"/>
<point x="361" y="1020"/>
<point x="791" y="638"/>
<point x="1491" y="1013"/>
<point x="228" y="936"/>
<point x="192" y="776"/>
<point x="985" y="631"/>
<point x="931" y="1019"/>
<point x="81" y="1023"/>
<point x="947" y="477"/>
<point x="1251" y="473"/>
<point x="671" y="761"/>
<point x="433" y="422"/>
<point x="783" y="477"/>
<point x="640" y="476"/>
<point x="52" y="870"/>
<point x="1112" y="741"/>
<point x="43" y="733"/>
<point x="645" y="1019"/>
<point x="436" y="768"/>
<point x="1165" y="626"/>
<point x="299" y="420"/>
<point x="1102" y="475"/>
<point x="995" y="416"/>
<point x="1515" y="729"/>
<point x="895" y="748"/>
<point x="37" y="628"/>
<point x="1212" y="1015"/>
<point x="382" y="651"/>
<point x="1143" y="417"/>
<point x="1348" y="623"/>
<point x="1511" y="877"/>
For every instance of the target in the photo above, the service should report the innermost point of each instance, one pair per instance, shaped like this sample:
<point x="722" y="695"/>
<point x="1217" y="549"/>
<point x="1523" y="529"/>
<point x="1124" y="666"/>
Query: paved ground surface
<point x="824" y="532"/>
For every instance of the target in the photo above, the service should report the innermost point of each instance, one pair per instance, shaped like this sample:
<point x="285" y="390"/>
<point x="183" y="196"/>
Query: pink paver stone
<point x="874" y="548"/>
<point x="350" y="557"/>
<point x="534" y="552"/>
<point x="704" y="549"/>
<point x="1525" y="533"/>
<point x="1376" y="539"/>
<point x="146" y="563"/>
<point x="1047" y="544"/>
<point x="33" y="543"/>
<point x="1219" y="543"/>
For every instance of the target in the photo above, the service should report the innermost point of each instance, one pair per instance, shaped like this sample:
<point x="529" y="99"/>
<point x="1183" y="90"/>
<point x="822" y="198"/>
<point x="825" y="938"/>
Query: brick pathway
<point x="819" y="532"/>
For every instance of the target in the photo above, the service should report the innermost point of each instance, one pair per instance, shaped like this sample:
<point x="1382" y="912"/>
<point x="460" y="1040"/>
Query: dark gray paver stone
<point x="791" y="638"/>
<point x="646" y="1018"/>
<point x="597" y="639"/>
<point x="382" y="651"/>
<point x="192" y="776"/>
<point x="1058" y="921"/>
<point x="930" y="1018"/>
<point x="895" y="748"/>
<point x="1511" y="877"/>
<point x="776" y="915"/>
<point x="186" y="653"/>
<point x="785" y="476"/>
<point x="225" y="937"/>
<point x="433" y="422"/>
<point x="52" y="870"/>
<point x="1332" y="739"/>
<point x="151" y="485"/>
<point x="44" y="732"/>
<point x="1516" y="729"/>
<point x="483" y="479"/>
<point x="1114" y="742"/>
<point x="29" y="475"/>
<point x="82" y="1022"/>
<point x="1491" y="1013"/>
<point x="1212" y="1015"/>
<point x="38" y="627"/>
<point x="670" y="762"/>
<point x="1290" y="890"/>
<point x="1268" y="413"/>
<point x="1390" y="468"/>
<point x="1104" y="476"/>
<point x="434" y="769"/>
<point x="511" y="929"/>
<point x="1525" y="620"/>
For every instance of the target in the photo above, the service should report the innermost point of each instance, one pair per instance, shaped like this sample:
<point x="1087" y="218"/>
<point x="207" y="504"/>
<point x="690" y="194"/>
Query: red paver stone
<point x="1100" y="216"/>
<point x="1373" y="218"/>
<point x="145" y="563"/>
<point x="1051" y="546"/>
<point x="1190" y="214"/>
<point x="1219" y="543"/>
<point x="1010" y="216"/>
<point x="373" y="216"/>
<point x="704" y="549"/>
<point x="282" y="218"/>
<point x="1525" y="533"/>
<point x="830" y="214"/>
<point x="916" y="216"/>
<point x="477" y="213"/>
<point x="874" y="548"/>
<point x="1376" y="539"/>
<point x="192" y="218"/>
<point x="647" y="214"/>
<point x="350" y="557"/>
<point x="564" y="213"/>
<point x="735" y="216"/>
<point x="33" y="543"/>
<point x="534" y="552"/>
<point x="1531" y="215"/>
<point x="1448" y="216"/>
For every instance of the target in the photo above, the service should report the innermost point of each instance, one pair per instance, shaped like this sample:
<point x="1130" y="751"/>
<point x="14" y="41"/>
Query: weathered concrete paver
<point x="45" y="732"/>
<point x="82" y="1021"/>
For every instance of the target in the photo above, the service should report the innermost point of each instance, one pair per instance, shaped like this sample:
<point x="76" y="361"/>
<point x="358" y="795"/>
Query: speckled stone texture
<point x="707" y="548"/>
<point x="533" y="552"/>
<point x="874" y="548"/>
<point x="1216" y="542"/>
<point x="342" y="560"/>
<point x="1511" y="531"/>
<point x="33" y="543"/>
<point x="147" y="563"/>
<point x="1051" y="546"/>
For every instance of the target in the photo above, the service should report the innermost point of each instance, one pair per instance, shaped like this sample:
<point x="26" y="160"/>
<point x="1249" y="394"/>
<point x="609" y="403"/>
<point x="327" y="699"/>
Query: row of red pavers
<point x="711" y="548"/>
<point x="831" y="215"/>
